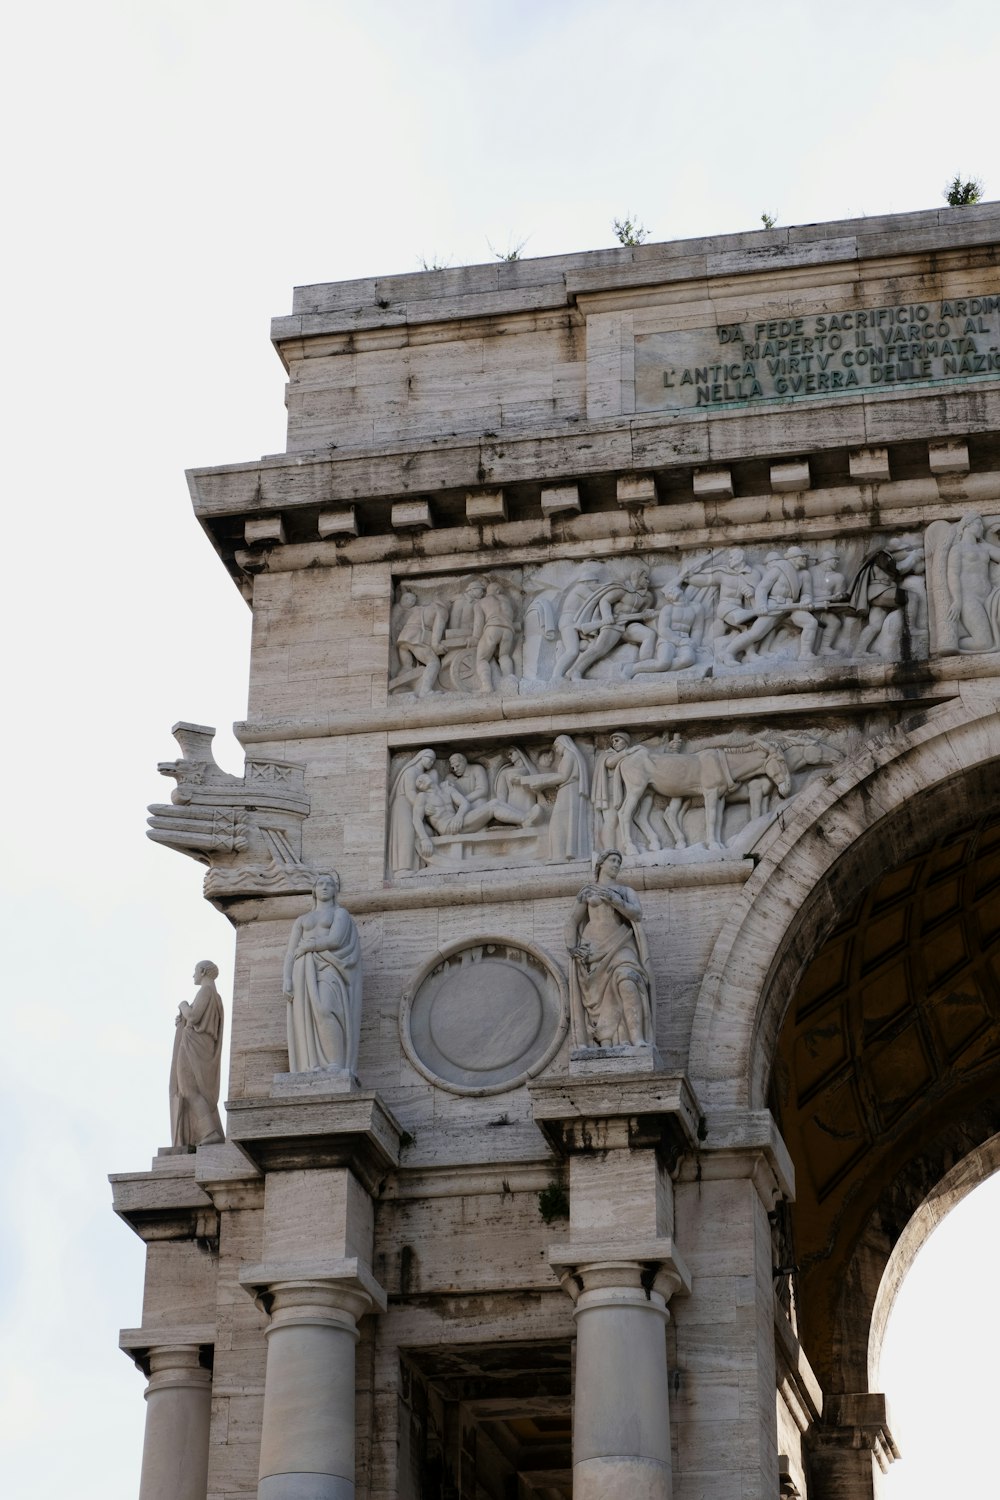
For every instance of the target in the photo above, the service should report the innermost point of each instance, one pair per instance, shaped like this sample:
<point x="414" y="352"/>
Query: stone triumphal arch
<point x="615" y="871"/>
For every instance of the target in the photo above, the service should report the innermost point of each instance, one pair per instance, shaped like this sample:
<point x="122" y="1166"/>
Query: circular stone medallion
<point x="484" y="1016"/>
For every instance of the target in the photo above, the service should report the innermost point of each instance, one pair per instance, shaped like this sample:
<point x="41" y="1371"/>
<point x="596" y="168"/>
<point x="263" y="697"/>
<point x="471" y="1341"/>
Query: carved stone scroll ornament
<point x="322" y="984"/>
<point x="194" y="1067"/>
<point x="964" y="582"/>
<point x="247" y="829"/>
<point x="611" y="981"/>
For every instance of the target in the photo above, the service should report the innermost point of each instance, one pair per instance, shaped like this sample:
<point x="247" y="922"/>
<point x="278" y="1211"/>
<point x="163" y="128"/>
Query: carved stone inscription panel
<point x="821" y="354"/>
<point x="653" y="796"/>
<point x="715" y="612"/>
<point x="484" y="1015"/>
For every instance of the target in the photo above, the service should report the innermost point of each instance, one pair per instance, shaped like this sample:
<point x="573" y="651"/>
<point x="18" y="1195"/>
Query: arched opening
<point x="937" y="1344"/>
<point x="886" y="1087"/>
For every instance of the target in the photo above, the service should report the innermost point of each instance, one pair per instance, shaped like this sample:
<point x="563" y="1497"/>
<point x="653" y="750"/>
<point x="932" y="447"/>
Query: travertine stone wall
<point x="570" y="555"/>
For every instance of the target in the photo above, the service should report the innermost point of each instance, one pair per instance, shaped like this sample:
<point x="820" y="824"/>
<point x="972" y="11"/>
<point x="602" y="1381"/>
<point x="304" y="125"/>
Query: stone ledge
<point x="652" y="1110"/>
<point x="852" y="686"/>
<point x="355" y="1131"/>
<point x="437" y="889"/>
<point x="165" y="1204"/>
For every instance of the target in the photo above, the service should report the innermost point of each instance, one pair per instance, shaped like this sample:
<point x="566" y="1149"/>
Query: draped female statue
<point x="322" y="983"/>
<point x="611" y="988"/>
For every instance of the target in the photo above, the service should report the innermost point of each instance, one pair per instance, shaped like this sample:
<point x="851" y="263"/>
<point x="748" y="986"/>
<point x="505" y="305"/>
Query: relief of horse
<point x="712" y="775"/>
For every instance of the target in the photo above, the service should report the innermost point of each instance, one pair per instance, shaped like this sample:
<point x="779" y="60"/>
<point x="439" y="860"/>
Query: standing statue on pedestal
<point x="611" y="999"/>
<point x="322" y="983"/>
<point x="194" y="1068"/>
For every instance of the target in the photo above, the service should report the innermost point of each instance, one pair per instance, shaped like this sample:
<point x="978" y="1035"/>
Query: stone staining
<point x="484" y="1016"/>
<point x="195" y="1065"/>
<point x="964" y="584"/>
<point x="247" y="829"/>
<point x="611" y="984"/>
<point x="731" y="610"/>
<point x="322" y="984"/>
<point x="653" y="798"/>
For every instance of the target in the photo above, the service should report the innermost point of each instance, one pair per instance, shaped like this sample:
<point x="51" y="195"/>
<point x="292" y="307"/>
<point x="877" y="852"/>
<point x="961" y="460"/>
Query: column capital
<point x="855" y="1421"/>
<point x="743" y="1143"/>
<point x="142" y="1345"/>
<point x="287" y="1290"/>
<point x="645" y="1266"/>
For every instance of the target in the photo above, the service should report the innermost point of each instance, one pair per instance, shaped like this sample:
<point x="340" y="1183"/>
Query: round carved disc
<point x="486" y="1016"/>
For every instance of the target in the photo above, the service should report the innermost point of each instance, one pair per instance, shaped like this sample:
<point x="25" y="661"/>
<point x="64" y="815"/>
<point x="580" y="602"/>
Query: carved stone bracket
<point x="247" y="829"/>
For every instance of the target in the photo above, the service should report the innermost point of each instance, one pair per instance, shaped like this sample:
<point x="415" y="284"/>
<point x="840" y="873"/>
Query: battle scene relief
<point x="730" y="609"/>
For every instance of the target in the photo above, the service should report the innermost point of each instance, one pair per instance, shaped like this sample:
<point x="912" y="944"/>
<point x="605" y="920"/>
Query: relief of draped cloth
<point x="324" y="1017"/>
<point x="595" y="999"/>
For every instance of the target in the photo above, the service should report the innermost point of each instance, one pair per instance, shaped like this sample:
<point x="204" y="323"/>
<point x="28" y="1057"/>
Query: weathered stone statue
<point x="194" y="1068"/>
<point x="322" y="983"/>
<point x="610" y="977"/>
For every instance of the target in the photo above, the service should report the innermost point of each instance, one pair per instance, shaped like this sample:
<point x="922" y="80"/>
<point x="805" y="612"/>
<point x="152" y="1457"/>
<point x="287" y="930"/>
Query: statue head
<point x="475" y="588"/>
<point x="423" y="783"/>
<point x="620" y="740"/>
<point x="407" y="598"/>
<point x="458" y="763"/>
<point x="735" y="557"/>
<point x="610" y="857"/>
<point x="971" y="524"/>
<point x="426" y="758"/>
<point x="205" y="970"/>
<point x="326" y="887"/>
<point x="797" y="558"/>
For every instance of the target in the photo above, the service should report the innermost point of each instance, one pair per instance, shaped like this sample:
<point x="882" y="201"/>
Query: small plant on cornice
<point x="629" y="231"/>
<point x="553" y="1202"/>
<point x="768" y="220"/>
<point x="433" y="264"/>
<point x="512" y="252"/>
<point x="960" y="194"/>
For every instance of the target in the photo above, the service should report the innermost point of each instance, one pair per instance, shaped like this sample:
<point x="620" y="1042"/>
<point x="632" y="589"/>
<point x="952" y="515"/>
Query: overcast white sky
<point x="173" y="168"/>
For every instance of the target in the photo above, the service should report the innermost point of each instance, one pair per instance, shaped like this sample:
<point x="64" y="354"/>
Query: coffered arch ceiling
<point x="887" y="1071"/>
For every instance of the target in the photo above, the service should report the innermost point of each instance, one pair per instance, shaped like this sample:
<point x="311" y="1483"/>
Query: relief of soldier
<point x="731" y="609"/>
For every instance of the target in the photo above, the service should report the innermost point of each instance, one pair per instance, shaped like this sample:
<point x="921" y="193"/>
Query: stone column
<point x="307" y="1440"/>
<point x="621" y="1405"/>
<point x="178" y="1414"/>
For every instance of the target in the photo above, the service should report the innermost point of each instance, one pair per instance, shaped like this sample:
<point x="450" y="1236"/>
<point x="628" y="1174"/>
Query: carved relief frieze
<point x="963" y="577"/>
<point x="247" y="829"/>
<point x="726" y="610"/>
<point x="654" y="796"/>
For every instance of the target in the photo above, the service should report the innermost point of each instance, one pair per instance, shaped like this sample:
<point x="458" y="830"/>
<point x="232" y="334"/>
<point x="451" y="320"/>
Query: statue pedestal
<point x="591" y="1062"/>
<point x="315" y="1085"/>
